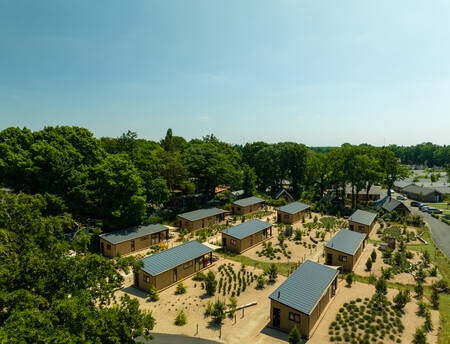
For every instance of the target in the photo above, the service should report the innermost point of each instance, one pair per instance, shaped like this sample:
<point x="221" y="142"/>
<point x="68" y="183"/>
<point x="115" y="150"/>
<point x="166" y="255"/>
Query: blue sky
<point x="317" y="72"/>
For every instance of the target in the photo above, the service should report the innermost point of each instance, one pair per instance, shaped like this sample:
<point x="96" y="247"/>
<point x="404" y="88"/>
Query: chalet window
<point x="108" y="246"/>
<point x="188" y="264"/>
<point x="146" y="279"/>
<point x="342" y="258"/>
<point x="294" y="317"/>
<point x="361" y="228"/>
<point x="286" y="216"/>
<point x="232" y="242"/>
<point x="238" y="208"/>
<point x="351" y="227"/>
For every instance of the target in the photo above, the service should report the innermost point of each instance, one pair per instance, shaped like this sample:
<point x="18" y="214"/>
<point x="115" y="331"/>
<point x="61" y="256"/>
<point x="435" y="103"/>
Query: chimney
<point x="278" y="294"/>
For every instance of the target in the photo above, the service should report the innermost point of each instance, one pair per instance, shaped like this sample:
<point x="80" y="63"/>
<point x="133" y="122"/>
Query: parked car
<point x="423" y="207"/>
<point x="401" y="198"/>
<point x="416" y="204"/>
<point x="392" y="191"/>
<point x="432" y="210"/>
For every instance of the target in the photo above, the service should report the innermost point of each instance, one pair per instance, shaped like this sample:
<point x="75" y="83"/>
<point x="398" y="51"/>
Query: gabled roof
<point x="281" y="192"/>
<point x="294" y="207"/>
<point x="173" y="257"/>
<point x="387" y="203"/>
<point x="401" y="183"/>
<point x="132" y="233"/>
<point x="201" y="214"/>
<point x="247" y="228"/>
<point x="416" y="189"/>
<point x="245" y="202"/>
<point x="346" y="241"/>
<point x="305" y="287"/>
<point x="363" y="217"/>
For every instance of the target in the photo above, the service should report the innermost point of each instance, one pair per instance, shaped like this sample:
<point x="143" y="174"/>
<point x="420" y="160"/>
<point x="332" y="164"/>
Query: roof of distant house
<point x="173" y="257"/>
<point x="245" y="202"/>
<point x="132" y="233"/>
<point x="401" y="183"/>
<point x="363" y="217"/>
<point x="346" y="241"/>
<point x="201" y="214"/>
<point x="281" y="192"/>
<point x="418" y="190"/>
<point x="305" y="287"/>
<point x="372" y="191"/>
<point x="245" y="229"/>
<point x="294" y="207"/>
<point x="387" y="203"/>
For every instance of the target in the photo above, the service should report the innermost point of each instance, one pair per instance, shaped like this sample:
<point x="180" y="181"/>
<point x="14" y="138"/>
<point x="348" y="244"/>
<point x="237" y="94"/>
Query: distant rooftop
<point x="294" y="207"/>
<point x="132" y="233"/>
<point x="305" y="287"/>
<point x="387" y="203"/>
<point x="363" y="217"/>
<point x="246" y="228"/>
<point x="245" y="202"/>
<point x="173" y="257"/>
<point x="346" y="241"/>
<point x="201" y="214"/>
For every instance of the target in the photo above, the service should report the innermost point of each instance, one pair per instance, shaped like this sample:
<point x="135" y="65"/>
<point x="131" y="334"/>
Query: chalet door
<point x="329" y="259"/>
<point x="224" y="242"/>
<point x="279" y="218"/>
<point x="197" y="264"/>
<point x="132" y="246"/>
<point x="136" y="279"/>
<point x="102" y="248"/>
<point x="276" y="317"/>
<point x="175" y="275"/>
<point x="203" y="223"/>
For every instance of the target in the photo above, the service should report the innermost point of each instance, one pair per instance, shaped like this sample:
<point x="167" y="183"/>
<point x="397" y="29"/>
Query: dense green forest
<point x="118" y="182"/>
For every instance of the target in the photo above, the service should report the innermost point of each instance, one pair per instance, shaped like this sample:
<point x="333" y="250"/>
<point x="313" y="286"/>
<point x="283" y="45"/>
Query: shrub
<point x="219" y="311"/>
<point x="233" y="305"/>
<point x="181" y="319"/>
<point x="423" y="308"/>
<point x="199" y="276"/>
<point x="428" y="325"/>
<point x="419" y="337"/>
<point x="210" y="283"/>
<point x="401" y="299"/>
<point x="381" y="286"/>
<point x="433" y="272"/>
<point x="419" y="290"/>
<point x="260" y="281"/>
<point x="373" y="255"/>
<point x="209" y="309"/>
<point x="435" y="297"/>
<point x="153" y="294"/>
<point x="349" y="279"/>
<point x="272" y="272"/>
<point x="372" y="280"/>
<point x="369" y="264"/>
<point x="294" y="336"/>
<point x="181" y="288"/>
<point x="426" y="258"/>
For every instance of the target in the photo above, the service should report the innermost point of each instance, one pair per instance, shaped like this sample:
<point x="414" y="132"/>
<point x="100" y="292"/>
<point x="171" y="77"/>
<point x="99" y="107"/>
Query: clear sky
<point x="317" y="72"/>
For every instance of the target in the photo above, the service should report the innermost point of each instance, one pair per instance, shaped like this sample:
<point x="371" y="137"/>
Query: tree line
<point x="119" y="181"/>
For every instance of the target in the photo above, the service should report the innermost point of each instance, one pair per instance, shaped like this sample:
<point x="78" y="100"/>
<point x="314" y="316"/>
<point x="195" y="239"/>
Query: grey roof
<point x="416" y="189"/>
<point x="294" y="207"/>
<point x="247" y="228"/>
<point x="346" y="241"/>
<point x="363" y="217"/>
<point x="245" y="202"/>
<point x="372" y="191"/>
<point x="173" y="257"/>
<point x="387" y="203"/>
<point x="281" y="192"/>
<point x="401" y="183"/>
<point x="132" y="233"/>
<point x="305" y="287"/>
<point x="201" y="214"/>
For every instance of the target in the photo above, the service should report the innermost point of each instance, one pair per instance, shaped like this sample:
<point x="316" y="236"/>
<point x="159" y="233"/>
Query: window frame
<point x="293" y="316"/>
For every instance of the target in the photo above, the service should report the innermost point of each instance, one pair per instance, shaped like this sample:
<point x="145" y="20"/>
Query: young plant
<point x="260" y="281"/>
<point x="210" y="283"/>
<point x="369" y="264"/>
<point x="272" y="272"/>
<point x="294" y="336"/>
<point x="219" y="311"/>
<point x="153" y="294"/>
<point x="349" y="279"/>
<point x="373" y="255"/>
<point x="181" y="288"/>
<point x="181" y="319"/>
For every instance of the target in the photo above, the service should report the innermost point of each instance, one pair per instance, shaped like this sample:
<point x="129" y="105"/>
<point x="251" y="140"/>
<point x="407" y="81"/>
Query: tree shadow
<point x="213" y="325"/>
<point x="205" y="296"/>
<point x="276" y="334"/>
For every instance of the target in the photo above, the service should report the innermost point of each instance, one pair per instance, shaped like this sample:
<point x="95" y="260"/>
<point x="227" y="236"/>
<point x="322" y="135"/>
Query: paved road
<point x="440" y="231"/>
<point x="163" y="338"/>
